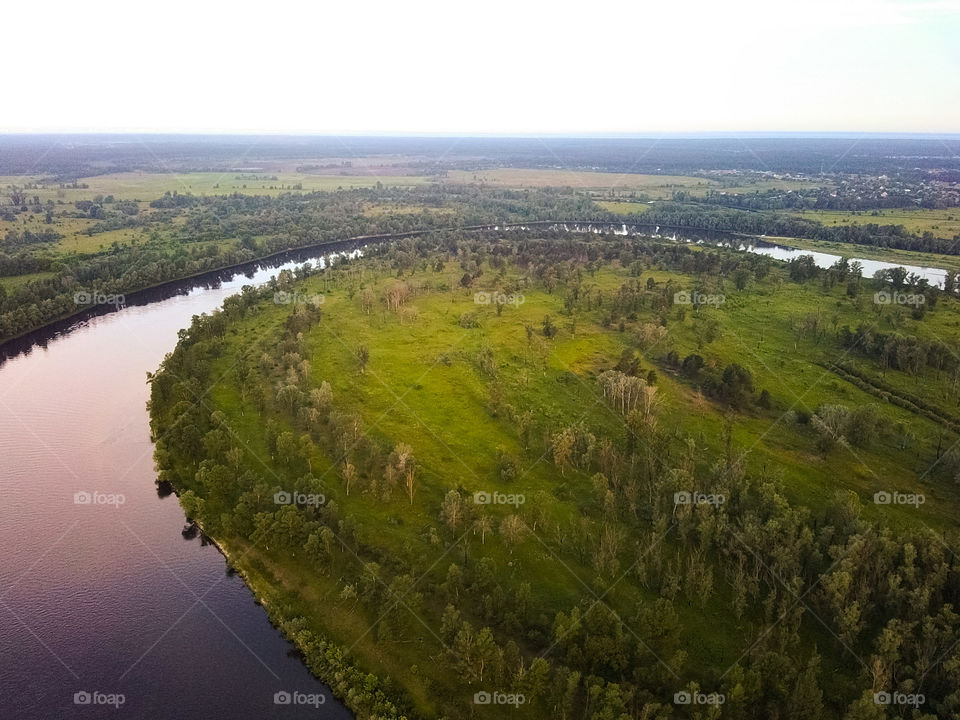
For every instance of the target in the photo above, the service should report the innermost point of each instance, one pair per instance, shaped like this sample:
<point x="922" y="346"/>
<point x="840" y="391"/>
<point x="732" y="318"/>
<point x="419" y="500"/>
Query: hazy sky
<point x="491" y="66"/>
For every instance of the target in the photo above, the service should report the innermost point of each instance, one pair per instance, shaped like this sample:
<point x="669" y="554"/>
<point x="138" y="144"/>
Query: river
<point x="111" y="598"/>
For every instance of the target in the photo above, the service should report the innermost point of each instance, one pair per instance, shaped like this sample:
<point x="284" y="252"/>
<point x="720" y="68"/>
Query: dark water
<point x="111" y="598"/>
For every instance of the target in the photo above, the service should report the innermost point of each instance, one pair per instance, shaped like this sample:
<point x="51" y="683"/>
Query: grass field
<point x="148" y="186"/>
<point x="76" y="237"/>
<point x="16" y="280"/>
<point x="624" y="208"/>
<point x="656" y="186"/>
<point x="410" y="358"/>
<point x="942" y="223"/>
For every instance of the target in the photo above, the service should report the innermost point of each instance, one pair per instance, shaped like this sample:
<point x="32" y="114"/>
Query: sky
<point x="498" y="67"/>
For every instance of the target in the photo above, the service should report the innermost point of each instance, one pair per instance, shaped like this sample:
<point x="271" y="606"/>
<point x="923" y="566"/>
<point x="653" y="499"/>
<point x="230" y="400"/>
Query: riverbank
<point x="869" y="252"/>
<point x="363" y="693"/>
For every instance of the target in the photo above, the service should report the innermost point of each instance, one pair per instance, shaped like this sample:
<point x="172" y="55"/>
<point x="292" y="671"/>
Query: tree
<point x="452" y="510"/>
<point x="549" y="329"/>
<point x="368" y="300"/>
<point x="806" y="703"/>
<point x="736" y="384"/>
<point x="512" y="530"/>
<point x="349" y="474"/>
<point x="409" y="476"/>
<point x="288" y="449"/>
<point x="453" y="585"/>
<point x="563" y="451"/>
<point x="449" y="623"/>
<point x="483" y="524"/>
<point x="363" y="357"/>
<point x="691" y="365"/>
<point x="485" y="651"/>
<point x="288" y="397"/>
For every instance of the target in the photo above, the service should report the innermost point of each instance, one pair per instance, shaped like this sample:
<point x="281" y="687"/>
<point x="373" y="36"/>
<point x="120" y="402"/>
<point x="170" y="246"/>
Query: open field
<point x="656" y="186"/>
<point x="149" y="186"/>
<point x="625" y="208"/>
<point x="942" y="223"/>
<point x="76" y="237"/>
<point x="10" y="282"/>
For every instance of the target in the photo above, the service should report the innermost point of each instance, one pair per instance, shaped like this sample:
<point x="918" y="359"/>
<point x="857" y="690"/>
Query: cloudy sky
<point x="497" y="66"/>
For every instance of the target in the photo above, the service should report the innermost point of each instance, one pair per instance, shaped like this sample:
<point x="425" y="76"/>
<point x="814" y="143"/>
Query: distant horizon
<point x="585" y="135"/>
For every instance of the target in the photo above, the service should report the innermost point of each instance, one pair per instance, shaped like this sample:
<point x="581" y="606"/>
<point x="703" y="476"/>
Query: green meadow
<point x="457" y="381"/>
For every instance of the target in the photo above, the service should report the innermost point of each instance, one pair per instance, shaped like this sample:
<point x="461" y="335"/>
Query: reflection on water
<point x="111" y="597"/>
<point x="935" y="276"/>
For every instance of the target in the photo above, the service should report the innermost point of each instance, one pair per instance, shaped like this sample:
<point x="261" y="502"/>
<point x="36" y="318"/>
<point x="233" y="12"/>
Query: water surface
<point x="113" y="599"/>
